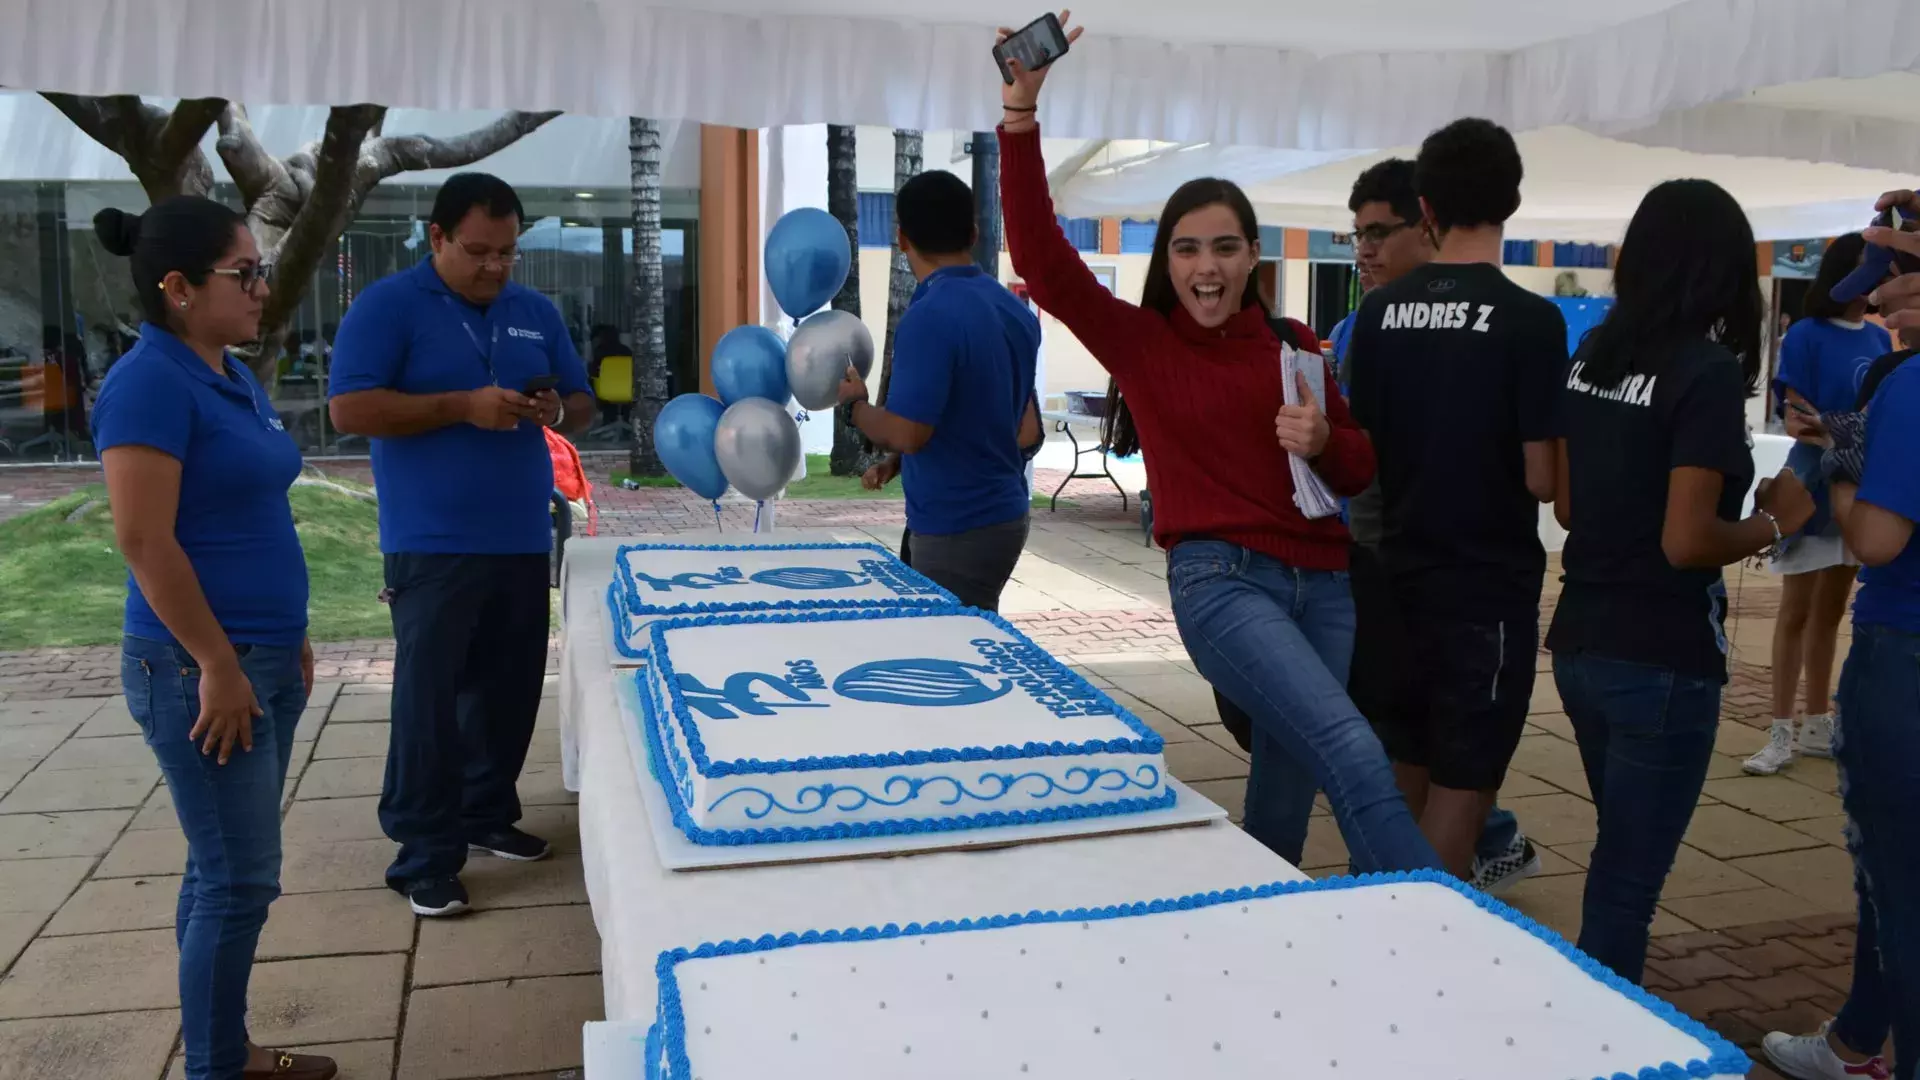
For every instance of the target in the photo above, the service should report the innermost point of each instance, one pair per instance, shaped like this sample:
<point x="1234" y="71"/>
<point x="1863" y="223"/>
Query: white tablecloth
<point x="641" y="909"/>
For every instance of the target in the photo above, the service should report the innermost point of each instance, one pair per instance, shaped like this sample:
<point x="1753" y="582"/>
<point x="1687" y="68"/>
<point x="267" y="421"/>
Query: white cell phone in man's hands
<point x="1034" y="45"/>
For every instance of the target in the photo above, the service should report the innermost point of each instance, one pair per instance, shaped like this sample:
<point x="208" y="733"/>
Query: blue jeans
<point x="1646" y="739"/>
<point x="1878" y="749"/>
<point x="1277" y="640"/>
<point x="1496" y="834"/>
<point x="231" y="816"/>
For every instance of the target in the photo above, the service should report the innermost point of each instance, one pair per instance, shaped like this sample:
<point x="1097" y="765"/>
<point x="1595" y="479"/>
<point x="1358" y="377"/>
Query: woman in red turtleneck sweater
<point x="1259" y="591"/>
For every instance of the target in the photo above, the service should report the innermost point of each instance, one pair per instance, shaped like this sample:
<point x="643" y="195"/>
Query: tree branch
<point x="323" y="213"/>
<point x="181" y="132"/>
<point x="254" y="170"/>
<point x="393" y="154"/>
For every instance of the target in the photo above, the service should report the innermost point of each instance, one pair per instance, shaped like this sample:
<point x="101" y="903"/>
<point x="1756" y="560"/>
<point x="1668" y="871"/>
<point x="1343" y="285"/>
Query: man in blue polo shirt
<point x="451" y="370"/>
<point x="960" y="404"/>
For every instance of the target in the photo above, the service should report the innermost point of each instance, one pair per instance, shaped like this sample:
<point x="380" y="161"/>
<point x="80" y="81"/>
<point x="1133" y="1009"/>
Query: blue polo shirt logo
<point x="457" y="489"/>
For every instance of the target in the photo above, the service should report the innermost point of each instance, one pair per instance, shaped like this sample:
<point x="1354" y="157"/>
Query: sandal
<point x="287" y="1066"/>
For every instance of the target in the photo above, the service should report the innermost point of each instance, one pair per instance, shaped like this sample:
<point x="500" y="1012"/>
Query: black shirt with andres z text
<point x="1683" y="406"/>
<point x="1454" y="368"/>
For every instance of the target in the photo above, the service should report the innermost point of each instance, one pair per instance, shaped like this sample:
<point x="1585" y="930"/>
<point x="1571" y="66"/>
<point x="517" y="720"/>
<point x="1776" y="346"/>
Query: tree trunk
<point x="648" y="302"/>
<point x="843" y="202"/>
<point x="986" y="202"/>
<point x="907" y="163"/>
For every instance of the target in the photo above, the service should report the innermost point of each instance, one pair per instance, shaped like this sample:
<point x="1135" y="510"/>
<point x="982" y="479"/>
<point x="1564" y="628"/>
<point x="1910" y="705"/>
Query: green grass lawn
<point x="819" y="483"/>
<point x="64" y="583"/>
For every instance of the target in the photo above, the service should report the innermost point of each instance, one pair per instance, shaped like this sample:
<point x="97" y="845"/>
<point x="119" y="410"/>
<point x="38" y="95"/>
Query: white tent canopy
<point x="1294" y="74"/>
<point x="1579" y="186"/>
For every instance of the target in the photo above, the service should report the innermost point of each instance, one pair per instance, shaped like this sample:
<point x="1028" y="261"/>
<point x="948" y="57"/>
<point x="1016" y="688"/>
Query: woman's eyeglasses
<point x="248" y="277"/>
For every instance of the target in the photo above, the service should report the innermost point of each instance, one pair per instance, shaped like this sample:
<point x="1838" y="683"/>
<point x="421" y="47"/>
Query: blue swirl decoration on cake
<point x="804" y="578"/>
<point x="914" y="590"/>
<point x="901" y="790"/>
<point x="667" y="1039"/>
<point x="920" y="682"/>
<point x="1144" y="741"/>
<point x="674" y="774"/>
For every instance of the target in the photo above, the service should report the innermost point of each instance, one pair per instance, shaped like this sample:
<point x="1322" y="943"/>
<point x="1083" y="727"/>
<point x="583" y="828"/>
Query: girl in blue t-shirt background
<point x="1823" y="359"/>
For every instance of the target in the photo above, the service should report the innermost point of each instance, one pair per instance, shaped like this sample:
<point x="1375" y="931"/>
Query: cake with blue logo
<point x="653" y="581"/>
<point x="838" y="724"/>
<point x="1404" y="976"/>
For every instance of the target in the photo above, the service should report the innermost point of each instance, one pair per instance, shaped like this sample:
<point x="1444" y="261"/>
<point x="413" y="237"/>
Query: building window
<point x="1082" y="233"/>
<point x="1592" y="256"/>
<point x="1136" y="237"/>
<point x="876" y="219"/>
<point x="1520" y="253"/>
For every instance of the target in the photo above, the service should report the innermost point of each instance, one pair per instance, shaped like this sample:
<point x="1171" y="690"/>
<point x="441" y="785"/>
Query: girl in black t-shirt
<point x="1655" y="466"/>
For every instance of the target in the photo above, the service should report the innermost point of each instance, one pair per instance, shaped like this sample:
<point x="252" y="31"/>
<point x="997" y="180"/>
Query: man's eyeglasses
<point x="1379" y="233"/>
<point x="502" y="259"/>
<point x="248" y="277"/>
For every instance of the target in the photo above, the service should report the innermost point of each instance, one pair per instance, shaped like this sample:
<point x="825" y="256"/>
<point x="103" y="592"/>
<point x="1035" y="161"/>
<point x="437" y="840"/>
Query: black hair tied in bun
<point x="118" y="230"/>
<point x="185" y="234"/>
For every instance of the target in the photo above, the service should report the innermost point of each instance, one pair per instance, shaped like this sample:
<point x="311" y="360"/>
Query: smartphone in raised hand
<point x="1034" y="45"/>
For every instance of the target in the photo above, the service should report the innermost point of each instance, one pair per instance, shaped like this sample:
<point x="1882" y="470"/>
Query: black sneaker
<point x="511" y="843"/>
<point x="437" y="897"/>
<point x="1516" y="864"/>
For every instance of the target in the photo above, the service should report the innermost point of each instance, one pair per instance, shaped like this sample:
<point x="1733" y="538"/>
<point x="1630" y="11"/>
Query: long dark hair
<point x="1158" y="293"/>
<point x="185" y="233"/>
<point x="1840" y="259"/>
<point x="1686" y="271"/>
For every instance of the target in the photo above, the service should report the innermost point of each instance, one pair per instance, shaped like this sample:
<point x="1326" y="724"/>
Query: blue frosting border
<point x="617" y="610"/>
<point x="667" y="1043"/>
<point x="1147" y="742"/>
<point x="670" y="781"/>
<point x="933" y="595"/>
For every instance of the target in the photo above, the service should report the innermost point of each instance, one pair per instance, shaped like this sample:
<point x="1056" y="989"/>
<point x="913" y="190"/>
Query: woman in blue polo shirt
<point x="1877" y="746"/>
<point x="215" y="661"/>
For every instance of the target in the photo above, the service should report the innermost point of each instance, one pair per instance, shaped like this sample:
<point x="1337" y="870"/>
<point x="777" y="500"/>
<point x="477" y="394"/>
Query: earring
<point x="183" y="303"/>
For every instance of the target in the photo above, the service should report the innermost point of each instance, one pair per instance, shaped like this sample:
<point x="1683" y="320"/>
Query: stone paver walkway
<point x="1754" y="931"/>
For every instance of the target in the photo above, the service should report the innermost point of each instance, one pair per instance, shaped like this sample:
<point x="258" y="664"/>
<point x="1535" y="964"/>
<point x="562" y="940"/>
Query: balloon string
<point x="757" y="508"/>
<point x="717" y="526"/>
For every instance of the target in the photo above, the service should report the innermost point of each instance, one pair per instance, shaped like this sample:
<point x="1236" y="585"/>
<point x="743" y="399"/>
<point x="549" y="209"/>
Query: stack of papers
<point x="1310" y="494"/>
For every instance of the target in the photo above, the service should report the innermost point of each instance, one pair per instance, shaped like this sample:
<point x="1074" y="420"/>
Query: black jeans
<point x="974" y="565"/>
<point x="471" y="636"/>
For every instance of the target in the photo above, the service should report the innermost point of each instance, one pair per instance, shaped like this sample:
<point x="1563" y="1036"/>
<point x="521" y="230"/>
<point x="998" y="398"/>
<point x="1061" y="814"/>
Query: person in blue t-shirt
<point x="960" y="402"/>
<point x="452" y="369"/>
<point x="1823" y="359"/>
<point x="1877" y="747"/>
<point x="215" y="660"/>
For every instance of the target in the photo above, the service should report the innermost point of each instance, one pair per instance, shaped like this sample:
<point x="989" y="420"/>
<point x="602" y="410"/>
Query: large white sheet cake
<point x="781" y="728"/>
<point x="652" y="581"/>
<point x="1409" y="977"/>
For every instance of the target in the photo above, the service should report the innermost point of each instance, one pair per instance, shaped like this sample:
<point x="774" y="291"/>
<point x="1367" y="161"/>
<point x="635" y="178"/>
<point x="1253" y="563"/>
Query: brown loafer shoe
<point x="295" y="1067"/>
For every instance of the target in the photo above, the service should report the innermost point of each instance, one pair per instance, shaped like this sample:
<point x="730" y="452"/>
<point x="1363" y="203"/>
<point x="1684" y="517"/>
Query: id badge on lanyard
<point x="485" y="351"/>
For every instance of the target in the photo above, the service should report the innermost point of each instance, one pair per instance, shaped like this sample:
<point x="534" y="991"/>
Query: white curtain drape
<point x="674" y="59"/>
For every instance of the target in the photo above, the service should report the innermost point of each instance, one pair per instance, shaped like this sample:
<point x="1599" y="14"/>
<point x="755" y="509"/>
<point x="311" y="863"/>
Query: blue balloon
<point x="683" y="437"/>
<point x="751" y="361"/>
<point x="808" y="258"/>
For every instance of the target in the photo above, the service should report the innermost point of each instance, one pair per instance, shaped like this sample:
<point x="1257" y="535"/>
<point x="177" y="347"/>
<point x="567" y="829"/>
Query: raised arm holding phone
<point x="1259" y="590"/>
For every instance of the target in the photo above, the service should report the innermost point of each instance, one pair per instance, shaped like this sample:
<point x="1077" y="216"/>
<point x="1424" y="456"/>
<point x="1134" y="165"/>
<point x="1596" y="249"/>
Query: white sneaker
<point x="1816" y="736"/>
<point x="1809" y="1057"/>
<point x="1777" y="754"/>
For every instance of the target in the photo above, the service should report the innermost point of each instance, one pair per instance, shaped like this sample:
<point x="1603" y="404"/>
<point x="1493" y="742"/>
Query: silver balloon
<point x="758" y="445"/>
<point x="818" y="355"/>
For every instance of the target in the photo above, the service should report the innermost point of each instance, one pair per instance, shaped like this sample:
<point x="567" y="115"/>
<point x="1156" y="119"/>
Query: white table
<point x="1064" y="423"/>
<point x="641" y="909"/>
